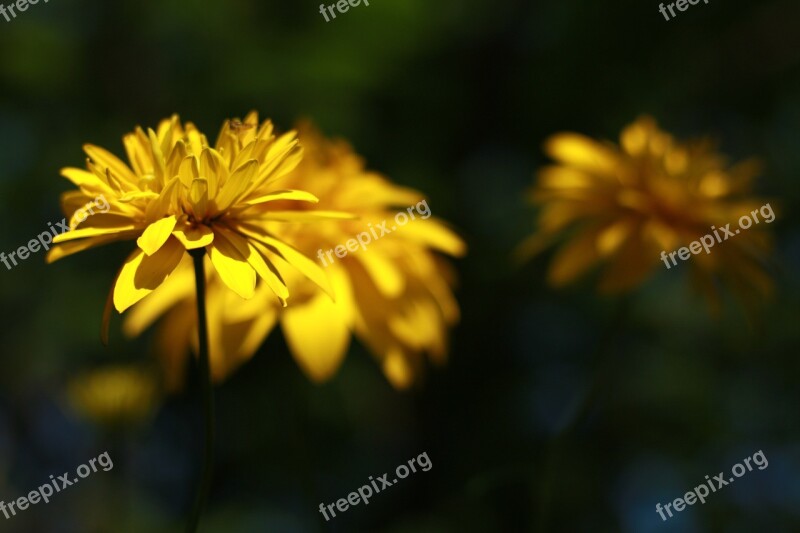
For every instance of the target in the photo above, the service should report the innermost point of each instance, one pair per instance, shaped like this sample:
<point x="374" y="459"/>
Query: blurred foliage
<point x="455" y="99"/>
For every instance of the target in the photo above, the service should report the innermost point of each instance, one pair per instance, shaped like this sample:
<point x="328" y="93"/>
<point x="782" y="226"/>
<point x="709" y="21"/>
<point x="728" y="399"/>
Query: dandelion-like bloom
<point x="620" y="207"/>
<point x="395" y="295"/>
<point x="178" y="193"/>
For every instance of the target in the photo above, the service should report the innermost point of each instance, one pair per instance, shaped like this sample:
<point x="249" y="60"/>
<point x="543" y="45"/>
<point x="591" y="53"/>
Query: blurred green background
<point x="453" y="98"/>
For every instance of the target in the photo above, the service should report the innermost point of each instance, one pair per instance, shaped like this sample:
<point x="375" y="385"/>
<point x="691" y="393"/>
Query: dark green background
<point x="453" y="97"/>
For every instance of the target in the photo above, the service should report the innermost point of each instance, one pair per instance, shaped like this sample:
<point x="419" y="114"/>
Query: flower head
<point x="620" y="207"/>
<point x="394" y="295"/>
<point x="178" y="193"/>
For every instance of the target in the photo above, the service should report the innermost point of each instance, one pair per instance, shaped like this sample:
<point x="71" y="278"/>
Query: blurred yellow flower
<point x="115" y="395"/>
<point x="178" y="193"/>
<point x="396" y="296"/>
<point x="619" y="207"/>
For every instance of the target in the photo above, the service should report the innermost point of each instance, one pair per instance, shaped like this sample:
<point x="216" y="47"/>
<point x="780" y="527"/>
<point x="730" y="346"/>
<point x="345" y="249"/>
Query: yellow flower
<point x="395" y="295"/>
<point x="115" y="395"/>
<point x="178" y="193"/>
<point x="620" y="207"/>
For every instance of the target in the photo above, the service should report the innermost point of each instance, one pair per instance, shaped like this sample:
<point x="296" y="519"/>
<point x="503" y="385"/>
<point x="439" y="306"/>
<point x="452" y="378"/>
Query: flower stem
<point x="206" y="390"/>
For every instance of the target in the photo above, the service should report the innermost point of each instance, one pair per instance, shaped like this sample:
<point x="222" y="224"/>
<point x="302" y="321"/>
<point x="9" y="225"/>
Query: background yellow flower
<point x="618" y="207"/>
<point x="115" y="395"/>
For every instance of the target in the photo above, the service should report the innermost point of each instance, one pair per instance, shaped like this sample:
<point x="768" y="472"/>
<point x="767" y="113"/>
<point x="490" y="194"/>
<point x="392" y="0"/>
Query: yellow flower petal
<point x="142" y="274"/>
<point x="236" y="185"/>
<point x="292" y="256"/>
<point x="397" y="370"/>
<point x="188" y="170"/>
<point x="416" y="323"/>
<point x="156" y="235"/>
<point x="232" y="267"/>
<point x="384" y="272"/>
<point x="240" y="340"/>
<point x="234" y="340"/>
<point x="210" y="170"/>
<point x="198" y="198"/>
<point x="160" y="207"/>
<point x="373" y="191"/>
<point x="133" y="196"/>
<point x="320" y="353"/>
<point x="342" y="287"/>
<point x="302" y="196"/>
<point x="176" y="158"/>
<point x="574" y="258"/>
<point x="92" y="232"/>
<point x="263" y="268"/>
<point x="158" y="158"/>
<point x="174" y="340"/>
<point x="283" y="156"/>
<point x="435" y="234"/>
<point x="194" y="236"/>
<point x="306" y="216"/>
<point x="87" y="181"/>
<point x="613" y="236"/>
<point x="583" y="153"/>
<point x="180" y="285"/>
<point x="140" y="160"/>
<point x="197" y="140"/>
<point x="108" y="160"/>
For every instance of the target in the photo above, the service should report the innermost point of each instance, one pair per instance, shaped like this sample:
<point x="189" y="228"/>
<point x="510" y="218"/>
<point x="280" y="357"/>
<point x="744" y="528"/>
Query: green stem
<point x="206" y="390"/>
